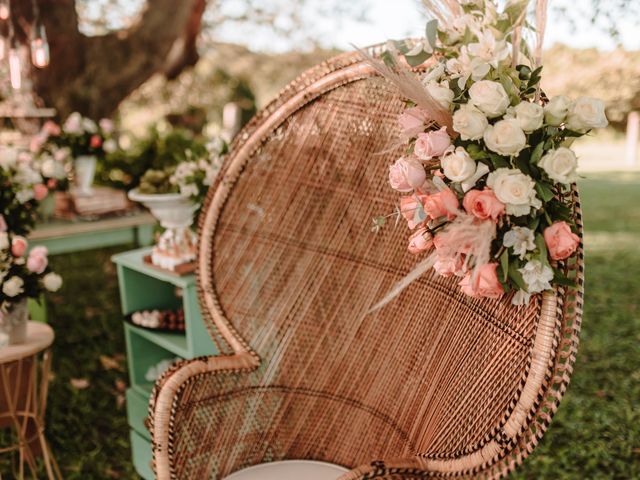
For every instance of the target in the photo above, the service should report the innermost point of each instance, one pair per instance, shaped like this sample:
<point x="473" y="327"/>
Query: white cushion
<point x="290" y="470"/>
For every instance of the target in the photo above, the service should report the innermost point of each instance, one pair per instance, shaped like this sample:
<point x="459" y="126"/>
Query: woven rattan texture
<point x="291" y="265"/>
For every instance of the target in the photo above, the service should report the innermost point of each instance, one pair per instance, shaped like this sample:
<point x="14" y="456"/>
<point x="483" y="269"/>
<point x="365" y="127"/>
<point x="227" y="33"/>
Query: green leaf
<point x="560" y="279"/>
<point x="509" y="87"/>
<point x="542" y="248"/>
<point x="522" y="163"/>
<point x="533" y="223"/>
<point x="536" y="155"/>
<point x="516" y="276"/>
<point x="544" y="191"/>
<point x="419" y="59"/>
<point x="432" y="32"/>
<point x="475" y="152"/>
<point x="499" y="161"/>
<point x="504" y="263"/>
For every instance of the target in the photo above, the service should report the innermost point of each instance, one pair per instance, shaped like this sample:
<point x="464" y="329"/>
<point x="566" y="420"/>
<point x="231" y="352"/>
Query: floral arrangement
<point x="191" y="176"/>
<point x="22" y="275"/>
<point x="78" y="136"/>
<point x="488" y="166"/>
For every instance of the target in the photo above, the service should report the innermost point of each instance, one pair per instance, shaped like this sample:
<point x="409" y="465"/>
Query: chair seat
<point x="290" y="470"/>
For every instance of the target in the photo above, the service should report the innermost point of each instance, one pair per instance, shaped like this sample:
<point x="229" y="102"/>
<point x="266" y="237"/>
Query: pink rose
<point x="40" y="191"/>
<point x="412" y="121"/>
<point x="432" y="144"/>
<point x="37" y="261"/>
<point x="406" y="174"/>
<point x="3" y="224"/>
<point x="483" y="204"/>
<point x="561" y="241"/>
<point x="420" y="241"/>
<point x="18" y="246"/>
<point x="485" y="283"/>
<point x="440" y="204"/>
<point x="95" y="141"/>
<point x="408" y="207"/>
<point x="51" y="128"/>
<point x="52" y="183"/>
<point x="448" y="266"/>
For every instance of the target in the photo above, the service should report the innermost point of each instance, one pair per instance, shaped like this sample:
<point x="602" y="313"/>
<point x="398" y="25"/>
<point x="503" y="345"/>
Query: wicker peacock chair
<point x="436" y="384"/>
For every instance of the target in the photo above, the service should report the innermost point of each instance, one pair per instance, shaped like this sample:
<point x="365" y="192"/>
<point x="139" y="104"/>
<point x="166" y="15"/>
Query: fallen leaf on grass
<point x="110" y="363"/>
<point x="79" y="383"/>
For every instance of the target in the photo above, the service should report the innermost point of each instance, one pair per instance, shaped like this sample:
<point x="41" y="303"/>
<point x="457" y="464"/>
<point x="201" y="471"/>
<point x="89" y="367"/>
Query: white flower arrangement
<point x="487" y="172"/>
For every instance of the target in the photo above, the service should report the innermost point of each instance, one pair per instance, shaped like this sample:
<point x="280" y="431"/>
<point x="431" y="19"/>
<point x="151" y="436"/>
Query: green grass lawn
<point x="595" y="435"/>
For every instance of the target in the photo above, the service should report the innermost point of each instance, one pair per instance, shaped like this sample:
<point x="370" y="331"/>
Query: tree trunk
<point x="92" y="75"/>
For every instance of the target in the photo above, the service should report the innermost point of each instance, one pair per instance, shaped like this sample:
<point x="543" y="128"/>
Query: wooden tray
<point x="180" y="270"/>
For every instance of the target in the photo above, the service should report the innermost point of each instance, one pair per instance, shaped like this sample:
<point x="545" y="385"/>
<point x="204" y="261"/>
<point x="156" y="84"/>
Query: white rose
<point x="560" y="164"/>
<point x="110" y="145"/>
<point x="73" y="124"/>
<point x="52" y="282"/>
<point x="505" y="137"/>
<point x="457" y="165"/>
<point x="24" y="195"/>
<point x="555" y="112"/>
<point x="89" y="125"/>
<point x="537" y="276"/>
<point x="586" y="113"/>
<point x="521" y="239"/>
<point x="4" y="241"/>
<point x="529" y="115"/>
<point x="515" y="189"/>
<point x="8" y="158"/>
<point x="13" y="286"/>
<point x="469" y="122"/>
<point x="490" y="97"/>
<point x="441" y="94"/>
<point x="53" y="169"/>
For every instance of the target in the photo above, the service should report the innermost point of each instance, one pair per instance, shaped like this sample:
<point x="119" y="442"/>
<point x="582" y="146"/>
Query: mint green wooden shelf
<point x="144" y="287"/>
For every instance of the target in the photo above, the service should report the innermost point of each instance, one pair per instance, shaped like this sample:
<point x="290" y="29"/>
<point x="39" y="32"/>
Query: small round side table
<point x="24" y="381"/>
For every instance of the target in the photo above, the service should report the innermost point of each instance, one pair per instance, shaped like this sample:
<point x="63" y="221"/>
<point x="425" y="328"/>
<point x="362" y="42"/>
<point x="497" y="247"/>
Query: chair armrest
<point x="167" y="391"/>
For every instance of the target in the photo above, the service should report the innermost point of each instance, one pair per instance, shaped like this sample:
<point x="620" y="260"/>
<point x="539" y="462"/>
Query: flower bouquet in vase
<point x="174" y="196"/>
<point x="83" y="140"/>
<point x="23" y="274"/>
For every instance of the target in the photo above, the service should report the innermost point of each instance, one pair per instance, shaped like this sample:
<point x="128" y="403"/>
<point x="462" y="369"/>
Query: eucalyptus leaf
<point x="432" y="32"/>
<point x="504" y="263"/>
<point x="419" y="59"/>
<point x="516" y="276"/>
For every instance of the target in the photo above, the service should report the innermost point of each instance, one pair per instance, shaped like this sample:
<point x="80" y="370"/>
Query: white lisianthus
<point x="13" y="287"/>
<point x="434" y="74"/>
<point x="555" y="112"/>
<point x="4" y="241"/>
<point x="490" y="97"/>
<point x="521" y="298"/>
<point x="505" y="137"/>
<point x="469" y="122"/>
<point x="586" y="113"/>
<point x="489" y="49"/>
<point x="441" y="94"/>
<point x="529" y="115"/>
<point x="537" y="276"/>
<point x="457" y="165"/>
<point x="515" y="189"/>
<point x="73" y="124"/>
<point x="521" y="239"/>
<point x="456" y="28"/>
<point x="52" y="282"/>
<point x="560" y="164"/>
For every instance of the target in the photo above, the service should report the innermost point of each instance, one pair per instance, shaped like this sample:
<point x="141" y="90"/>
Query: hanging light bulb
<point x="4" y="9"/>
<point x="14" y="68"/>
<point x="39" y="46"/>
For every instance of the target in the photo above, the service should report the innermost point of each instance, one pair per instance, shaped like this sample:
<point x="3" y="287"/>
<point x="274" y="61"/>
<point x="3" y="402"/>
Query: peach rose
<point x="18" y="246"/>
<point x="561" y="241"/>
<point x="408" y="207"/>
<point x="483" y="204"/>
<point x="440" y="204"/>
<point x="420" y="241"/>
<point x="37" y="261"/>
<point x="406" y="174"/>
<point x="485" y="284"/>
<point x="40" y="191"/>
<point x="412" y="121"/>
<point x="432" y="144"/>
